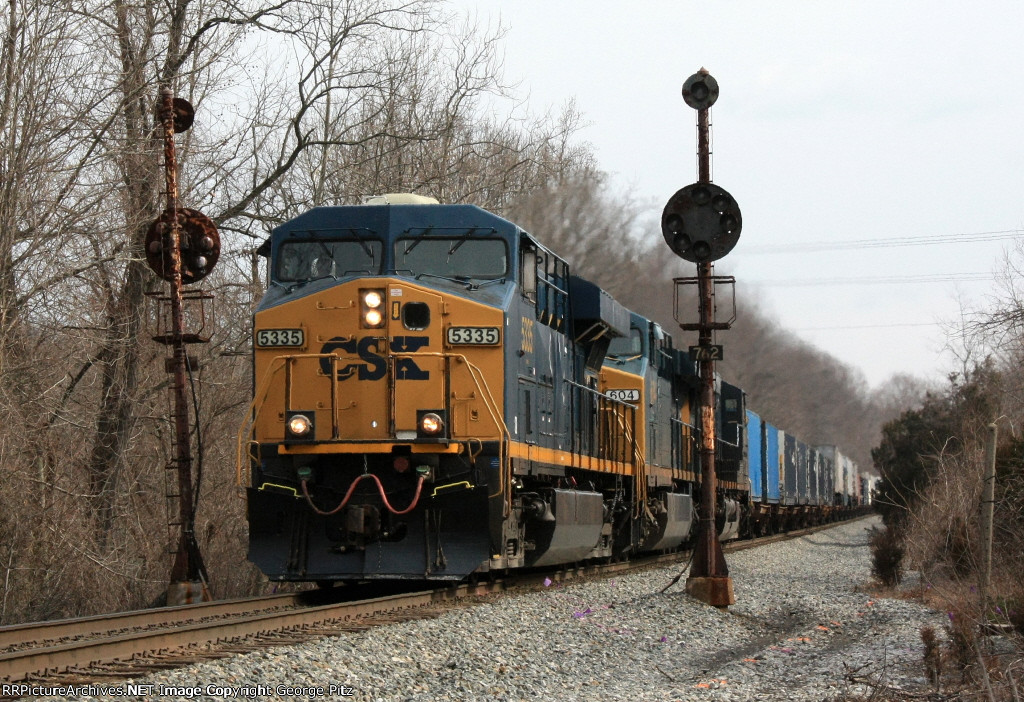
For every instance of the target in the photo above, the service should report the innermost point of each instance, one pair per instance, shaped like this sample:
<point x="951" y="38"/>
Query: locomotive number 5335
<point x="480" y="336"/>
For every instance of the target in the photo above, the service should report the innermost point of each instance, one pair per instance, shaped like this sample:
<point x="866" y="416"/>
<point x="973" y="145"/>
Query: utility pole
<point x="701" y="223"/>
<point x="988" y="500"/>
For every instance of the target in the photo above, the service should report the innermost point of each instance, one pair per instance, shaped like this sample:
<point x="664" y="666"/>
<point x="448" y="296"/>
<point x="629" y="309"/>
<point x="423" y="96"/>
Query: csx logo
<point x="375" y="365"/>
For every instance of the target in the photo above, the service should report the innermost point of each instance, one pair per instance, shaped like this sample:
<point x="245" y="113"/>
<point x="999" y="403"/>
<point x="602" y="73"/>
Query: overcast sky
<point x="837" y="122"/>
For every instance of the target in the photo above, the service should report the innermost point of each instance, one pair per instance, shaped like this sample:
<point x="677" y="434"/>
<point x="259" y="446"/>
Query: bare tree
<point x="300" y="103"/>
<point x="597" y="231"/>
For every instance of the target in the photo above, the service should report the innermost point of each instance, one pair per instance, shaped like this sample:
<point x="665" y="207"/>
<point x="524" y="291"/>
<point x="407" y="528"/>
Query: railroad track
<point x="120" y="646"/>
<point x="135" y="643"/>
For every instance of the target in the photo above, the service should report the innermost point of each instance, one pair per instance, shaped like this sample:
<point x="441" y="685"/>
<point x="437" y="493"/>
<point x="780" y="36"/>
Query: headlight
<point x="431" y="424"/>
<point x="299" y="425"/>
<point x="372" y="305"/>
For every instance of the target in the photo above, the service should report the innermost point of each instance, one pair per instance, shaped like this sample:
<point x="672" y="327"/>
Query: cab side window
<point x="528" y="270"/>
<point x="544" y="279"/>
<point x="661" y="351"/>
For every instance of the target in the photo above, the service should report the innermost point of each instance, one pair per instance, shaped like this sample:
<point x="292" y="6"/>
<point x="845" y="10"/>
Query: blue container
<point x="803" y="493"/>
<point x="772" y="462"/>
<point x="755" y="456"/>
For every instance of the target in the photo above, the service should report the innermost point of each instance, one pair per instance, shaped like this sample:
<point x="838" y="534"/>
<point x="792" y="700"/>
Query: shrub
<point x="962" y="631"/>
<point x="932" y="654"/>
<point x="886" y="556"/>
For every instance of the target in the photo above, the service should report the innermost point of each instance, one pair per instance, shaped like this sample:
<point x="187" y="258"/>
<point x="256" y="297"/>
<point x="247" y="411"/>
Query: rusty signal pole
<point x="182" y="246"/>
<point x="701" y="223"/>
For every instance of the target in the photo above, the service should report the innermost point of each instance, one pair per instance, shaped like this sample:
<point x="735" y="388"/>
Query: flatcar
<point x="435" y="394"/>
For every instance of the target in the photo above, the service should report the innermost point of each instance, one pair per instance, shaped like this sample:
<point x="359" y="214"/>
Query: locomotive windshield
<point x="457" y="258"/>
<point x="625" y="348"/>
<point x="310" y="259"/>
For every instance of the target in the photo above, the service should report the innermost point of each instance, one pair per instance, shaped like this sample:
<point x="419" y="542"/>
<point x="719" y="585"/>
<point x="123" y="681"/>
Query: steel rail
<point x="16" y="665"/>
<point x="100" y="644"/>
<point x="15" y="634"/>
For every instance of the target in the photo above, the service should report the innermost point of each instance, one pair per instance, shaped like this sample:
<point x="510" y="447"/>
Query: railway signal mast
<point x="182" y="246"/>
<point x="701" y="224"/>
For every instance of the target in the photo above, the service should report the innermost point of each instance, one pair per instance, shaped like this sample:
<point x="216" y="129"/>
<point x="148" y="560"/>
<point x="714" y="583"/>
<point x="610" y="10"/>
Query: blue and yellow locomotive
<point x="436" y="395"/>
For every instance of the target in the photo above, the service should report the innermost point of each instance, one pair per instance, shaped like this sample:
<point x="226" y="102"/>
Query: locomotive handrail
<point x="258" y="398"/>
<point x="277" y="362"/>
<point x="504" y="464"/>
<point x="639" y="461"/>
<point x="260" y="395"/>
<point x="640" y="482"/>
<point x="481" y="382"/>
<point x="600" y="394"/>
<point x="722" y="439"/>
<point x="687" y="437"/>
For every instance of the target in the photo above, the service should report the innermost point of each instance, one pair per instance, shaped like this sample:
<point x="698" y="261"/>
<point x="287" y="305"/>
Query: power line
<point x="890" y="242"/>
<point x="878" y="280"/>
<point x="871" y="326"/>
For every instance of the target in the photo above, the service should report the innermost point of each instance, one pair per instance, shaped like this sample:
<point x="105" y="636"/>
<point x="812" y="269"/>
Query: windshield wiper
<point x="622" y="359"/>
<point x="362" y="242"/>
<point x="322" y="266"/>
<point x="460" y="241"/>
<point x="484" y="284"/>
<point x="416" y="242"/>
<point x="330" y="254"/>
<point x="463" y="280"/>
<point x="460" y="279"/>
<point x="354" y="232"/>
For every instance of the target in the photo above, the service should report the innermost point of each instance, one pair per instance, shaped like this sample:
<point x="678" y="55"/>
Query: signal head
<point x="700" y="91"/>
<point x="701" y="223"/>
<point x="184" y="115"/>
<point x="199" y="243"/>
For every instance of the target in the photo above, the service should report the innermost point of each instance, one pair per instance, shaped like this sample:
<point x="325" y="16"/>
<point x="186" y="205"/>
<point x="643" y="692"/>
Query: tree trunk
<point x="119" y="365"/>
<point x="118" y="360"/>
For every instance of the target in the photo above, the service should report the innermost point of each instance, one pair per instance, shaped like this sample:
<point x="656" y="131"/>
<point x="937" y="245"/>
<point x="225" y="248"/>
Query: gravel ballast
<point x="803" y="623"/>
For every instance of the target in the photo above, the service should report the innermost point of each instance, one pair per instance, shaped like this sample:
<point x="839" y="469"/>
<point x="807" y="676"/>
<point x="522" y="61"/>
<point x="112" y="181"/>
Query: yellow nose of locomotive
<point x="374" y="364"/>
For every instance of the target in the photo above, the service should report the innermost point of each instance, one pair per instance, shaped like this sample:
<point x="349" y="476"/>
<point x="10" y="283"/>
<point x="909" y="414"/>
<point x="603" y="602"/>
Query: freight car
<point x="435" y="394"/>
